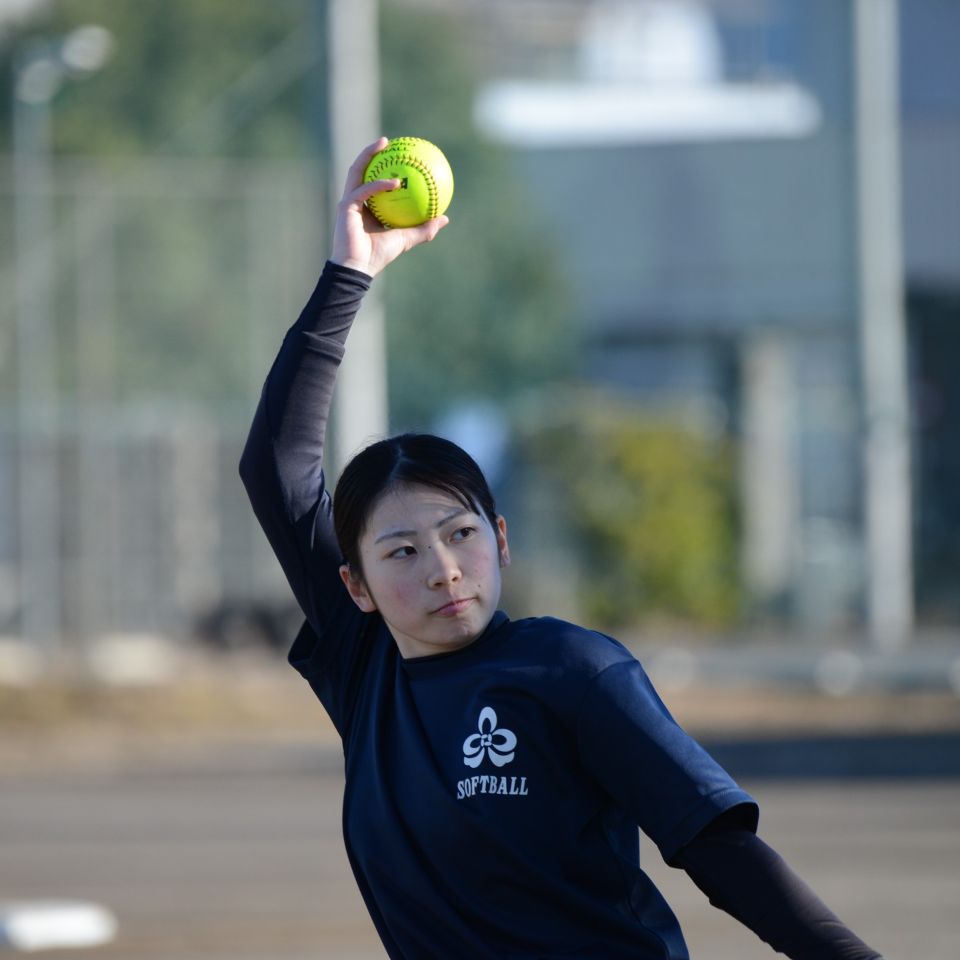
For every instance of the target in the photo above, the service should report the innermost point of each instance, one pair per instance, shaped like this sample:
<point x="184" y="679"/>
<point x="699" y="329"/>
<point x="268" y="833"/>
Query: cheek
<point x="400" y="593"/>
<point x="485" y="564"/>
<point x="391" y="594"/>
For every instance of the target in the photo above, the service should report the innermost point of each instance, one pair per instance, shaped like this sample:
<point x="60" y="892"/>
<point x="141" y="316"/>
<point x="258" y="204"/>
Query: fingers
<point x="357" y="168"/>
<point x="365" y="191"/>
<point x="425" y="232"/>
<point x="391" y="244"/>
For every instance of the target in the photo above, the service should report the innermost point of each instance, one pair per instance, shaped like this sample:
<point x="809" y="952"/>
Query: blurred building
<point x="698" y="163"/>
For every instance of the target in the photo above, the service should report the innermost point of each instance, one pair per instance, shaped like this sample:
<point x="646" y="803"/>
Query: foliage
<point x="484" y="312"/>
<point x="171" y="59"/>
<point x="651" y="503"/>
<point x="174" y="323"/>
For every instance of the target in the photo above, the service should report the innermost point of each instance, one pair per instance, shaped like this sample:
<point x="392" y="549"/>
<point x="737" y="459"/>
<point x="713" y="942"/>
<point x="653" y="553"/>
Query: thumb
<point x="393" y="243"/>
<point x="424" y="232"/>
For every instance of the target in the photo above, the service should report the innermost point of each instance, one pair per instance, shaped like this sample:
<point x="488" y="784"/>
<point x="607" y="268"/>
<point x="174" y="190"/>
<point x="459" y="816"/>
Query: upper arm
<point x="282" y="469"/>
<point x="328" y="649"/>
<point x="650" y="766"/>
<point x="295" y="510"/>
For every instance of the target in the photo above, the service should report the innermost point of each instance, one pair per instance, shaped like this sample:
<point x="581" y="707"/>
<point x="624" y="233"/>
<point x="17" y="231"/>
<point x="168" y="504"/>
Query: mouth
<point x="454" y="607"/>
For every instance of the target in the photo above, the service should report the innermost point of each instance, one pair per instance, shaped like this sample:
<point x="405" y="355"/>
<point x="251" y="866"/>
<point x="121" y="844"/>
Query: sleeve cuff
<point x="348" y="273"/>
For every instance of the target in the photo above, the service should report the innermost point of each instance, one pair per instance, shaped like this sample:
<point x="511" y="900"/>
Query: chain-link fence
<point x="136" y="332"/>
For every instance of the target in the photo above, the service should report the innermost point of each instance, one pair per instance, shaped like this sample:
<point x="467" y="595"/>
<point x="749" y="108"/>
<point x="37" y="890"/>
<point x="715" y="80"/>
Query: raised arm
<point x="282" y="463"/>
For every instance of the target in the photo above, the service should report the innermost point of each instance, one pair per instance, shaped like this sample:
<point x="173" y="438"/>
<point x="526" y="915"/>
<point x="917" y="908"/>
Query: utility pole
<point x="40" y="70"/>
<point x="41" y="581"/>
<point x="882" y="325"/>
<point x="353" y="120"/>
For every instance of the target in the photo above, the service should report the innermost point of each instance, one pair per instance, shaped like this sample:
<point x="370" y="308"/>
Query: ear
<point x="357" y="589"/>
<point x="502" y="546"/>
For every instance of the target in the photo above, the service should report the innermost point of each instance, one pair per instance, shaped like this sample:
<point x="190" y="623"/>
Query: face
<point x="431" y="568"/>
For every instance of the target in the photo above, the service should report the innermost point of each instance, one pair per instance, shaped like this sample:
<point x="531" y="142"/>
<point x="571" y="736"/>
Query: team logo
<point x="489" y="741"/>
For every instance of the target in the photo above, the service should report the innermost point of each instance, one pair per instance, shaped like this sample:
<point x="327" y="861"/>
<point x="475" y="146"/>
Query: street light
<point x="45" y="65"/>
<point x="40" y="71"/>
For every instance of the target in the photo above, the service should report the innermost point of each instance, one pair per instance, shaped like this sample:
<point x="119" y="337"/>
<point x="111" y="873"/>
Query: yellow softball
<point x="426" y="182"/>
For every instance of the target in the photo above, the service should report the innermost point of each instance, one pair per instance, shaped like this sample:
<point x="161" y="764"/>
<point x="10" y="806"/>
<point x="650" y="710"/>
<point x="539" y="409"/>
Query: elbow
<point x="255" y="451"/>
<point x="249" y="468"/>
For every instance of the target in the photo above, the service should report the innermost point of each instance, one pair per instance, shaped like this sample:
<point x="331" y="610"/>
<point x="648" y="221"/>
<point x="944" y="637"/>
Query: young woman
<point x="496" y="770"/>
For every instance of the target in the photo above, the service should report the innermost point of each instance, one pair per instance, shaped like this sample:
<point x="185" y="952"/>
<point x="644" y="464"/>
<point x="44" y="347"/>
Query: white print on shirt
<point x="505" y="786"/>
<point x="498" y="745"/>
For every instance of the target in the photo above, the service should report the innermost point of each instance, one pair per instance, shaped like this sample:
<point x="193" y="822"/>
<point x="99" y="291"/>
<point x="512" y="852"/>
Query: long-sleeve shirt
<point x="493" y="793"/>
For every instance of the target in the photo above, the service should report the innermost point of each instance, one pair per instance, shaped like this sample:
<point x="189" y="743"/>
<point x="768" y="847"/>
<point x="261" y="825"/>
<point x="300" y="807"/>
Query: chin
<point x="461" y="634"/>
<point x="435" y="638"/>
<point x="460" y="638"/>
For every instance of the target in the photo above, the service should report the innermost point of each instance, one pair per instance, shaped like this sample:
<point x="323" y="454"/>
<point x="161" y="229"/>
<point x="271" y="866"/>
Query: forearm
<point x="282" y="463"/>
<point x="284" y="454"/>
<point x="743" y="876"/>
<point x="283" y="457"/>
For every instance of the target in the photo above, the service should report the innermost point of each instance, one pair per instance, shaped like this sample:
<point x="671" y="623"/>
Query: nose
<point x="444" y="568"/>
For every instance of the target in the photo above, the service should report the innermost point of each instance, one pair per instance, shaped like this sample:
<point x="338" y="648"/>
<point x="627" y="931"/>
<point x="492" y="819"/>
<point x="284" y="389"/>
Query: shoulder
<point x="597" y="672"/>
<point x="568" y="646"/>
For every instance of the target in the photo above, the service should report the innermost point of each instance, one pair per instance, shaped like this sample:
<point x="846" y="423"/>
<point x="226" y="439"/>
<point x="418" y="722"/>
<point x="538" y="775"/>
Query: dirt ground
<point x="72" y="719"/>
<point x="205" y="814"/>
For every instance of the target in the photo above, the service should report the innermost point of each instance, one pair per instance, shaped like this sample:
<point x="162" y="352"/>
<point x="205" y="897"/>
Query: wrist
<point x="358" y="266"/>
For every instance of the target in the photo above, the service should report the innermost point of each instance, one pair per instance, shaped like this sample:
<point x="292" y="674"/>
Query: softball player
<point x="496" y="770"/>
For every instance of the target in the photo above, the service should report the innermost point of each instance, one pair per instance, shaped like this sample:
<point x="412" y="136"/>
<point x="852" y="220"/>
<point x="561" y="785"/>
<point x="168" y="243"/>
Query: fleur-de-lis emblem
<point x="498" y="745"/>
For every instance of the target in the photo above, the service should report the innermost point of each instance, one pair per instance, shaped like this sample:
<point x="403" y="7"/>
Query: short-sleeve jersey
<point x="493" y="793"/>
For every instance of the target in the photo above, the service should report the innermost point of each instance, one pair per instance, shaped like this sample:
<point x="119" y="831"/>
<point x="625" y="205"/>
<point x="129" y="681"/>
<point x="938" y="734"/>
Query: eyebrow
<point x="396" y="534"/>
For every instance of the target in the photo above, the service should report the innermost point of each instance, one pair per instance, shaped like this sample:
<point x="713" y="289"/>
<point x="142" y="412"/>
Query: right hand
<point x="360" y="241"/>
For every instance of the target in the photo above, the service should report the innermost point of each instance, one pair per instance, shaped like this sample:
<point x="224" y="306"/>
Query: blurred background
<point x="697" y="315"/>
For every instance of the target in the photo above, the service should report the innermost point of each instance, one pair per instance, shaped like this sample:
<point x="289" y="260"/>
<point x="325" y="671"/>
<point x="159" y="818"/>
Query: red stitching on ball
<point x="410" y="161"/>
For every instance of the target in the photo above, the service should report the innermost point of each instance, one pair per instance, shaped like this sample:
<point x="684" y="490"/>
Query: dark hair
<point x="409" y="459"/>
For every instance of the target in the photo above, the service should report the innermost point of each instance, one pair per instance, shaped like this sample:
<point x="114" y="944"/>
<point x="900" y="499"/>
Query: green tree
<point x="650" y="503"/>
<point x="171" y="60"/>
<point x="481" y="313"/>
<point x="484" y="312"/>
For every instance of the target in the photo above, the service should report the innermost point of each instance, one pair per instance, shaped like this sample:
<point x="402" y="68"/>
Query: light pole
<point x="40" y="71"/>
<point x="353" y="119"/>
<point x="883" y="335"/>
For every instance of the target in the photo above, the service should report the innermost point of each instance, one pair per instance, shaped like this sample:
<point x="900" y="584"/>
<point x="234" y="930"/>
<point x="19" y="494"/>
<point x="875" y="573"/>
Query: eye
<point x="405" y="551"/>
<point x="464" y="533"/>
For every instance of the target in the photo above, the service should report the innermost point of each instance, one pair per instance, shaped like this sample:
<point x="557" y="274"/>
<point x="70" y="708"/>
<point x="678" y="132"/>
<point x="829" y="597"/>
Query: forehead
<point x="409" y="507"/>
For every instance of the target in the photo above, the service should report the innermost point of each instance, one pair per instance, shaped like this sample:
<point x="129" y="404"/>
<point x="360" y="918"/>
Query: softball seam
<point x="418" y="165"/>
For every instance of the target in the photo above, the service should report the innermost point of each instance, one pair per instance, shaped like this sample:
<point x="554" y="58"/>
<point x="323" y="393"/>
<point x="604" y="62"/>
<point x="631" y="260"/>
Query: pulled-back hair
<point x="409" y="459"/>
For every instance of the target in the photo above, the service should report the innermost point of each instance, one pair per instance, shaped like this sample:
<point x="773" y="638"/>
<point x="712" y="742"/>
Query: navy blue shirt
<point x="493" y="793"/>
